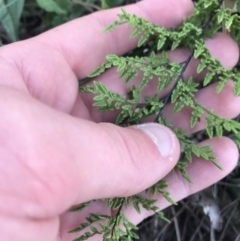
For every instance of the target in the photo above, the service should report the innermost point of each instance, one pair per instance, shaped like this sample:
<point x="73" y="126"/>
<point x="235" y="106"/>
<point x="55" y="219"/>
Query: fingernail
<point x="162" y="137"/>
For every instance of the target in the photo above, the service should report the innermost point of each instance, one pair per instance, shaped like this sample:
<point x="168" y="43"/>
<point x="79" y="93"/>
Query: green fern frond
<point x="209" y="17"/>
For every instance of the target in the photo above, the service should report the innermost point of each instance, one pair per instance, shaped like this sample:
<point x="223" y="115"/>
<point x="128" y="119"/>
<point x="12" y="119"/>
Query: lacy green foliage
<point x="116" y="227"/>
<point x="156" y="68"/>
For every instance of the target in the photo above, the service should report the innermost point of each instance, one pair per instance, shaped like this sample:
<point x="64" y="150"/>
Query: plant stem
<point x="166" y="99"/>
<point x="174" y="86"/>
<point x="118" y="212"/>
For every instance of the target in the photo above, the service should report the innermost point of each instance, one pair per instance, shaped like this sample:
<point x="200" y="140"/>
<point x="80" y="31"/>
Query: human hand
<point x="57" y="152"/>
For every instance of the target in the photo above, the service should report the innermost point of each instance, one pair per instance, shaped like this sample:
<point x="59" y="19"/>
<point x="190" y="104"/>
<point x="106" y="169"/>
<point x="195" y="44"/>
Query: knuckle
<point x="185" y="8"/>
<point x="133" y="151"/>
<point x="185" y="185"/>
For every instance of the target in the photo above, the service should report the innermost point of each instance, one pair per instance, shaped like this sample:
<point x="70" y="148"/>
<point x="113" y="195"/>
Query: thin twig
<point x="87" y="5"/>
<point x="228" y="222"/>
<point x="83" y="81"/>
<point x="212" y="233"/>
<point x="195" y="216"/>
<point x="167" y="225"/>
<point x="229" y="184"/>
<point x="118" y="212"/>
<point x="166" y="99"/>
<point x="236" y="230"/>
<point x="200" y="235"/>
<point x="184" y="229"/>
<point x="143" y="224"/>
<point x="161" y="232"/>
<point x="198" y="228"/>
<point x="237" y="238"/>
<point x="186" y="63"/>
<point x="176" y="224"/>
<point x="227" y="206"/>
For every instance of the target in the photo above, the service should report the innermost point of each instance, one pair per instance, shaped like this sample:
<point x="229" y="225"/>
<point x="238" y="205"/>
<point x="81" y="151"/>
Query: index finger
<point x="84" y="44"/>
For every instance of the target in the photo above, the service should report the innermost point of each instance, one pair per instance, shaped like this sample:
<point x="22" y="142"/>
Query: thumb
<point x="62" y="160"/>
<point x="128" y="160"/>
<point x="113" y="161"/>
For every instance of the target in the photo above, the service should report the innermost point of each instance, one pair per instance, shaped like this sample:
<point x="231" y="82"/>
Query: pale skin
<point x="55" y="149"/>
